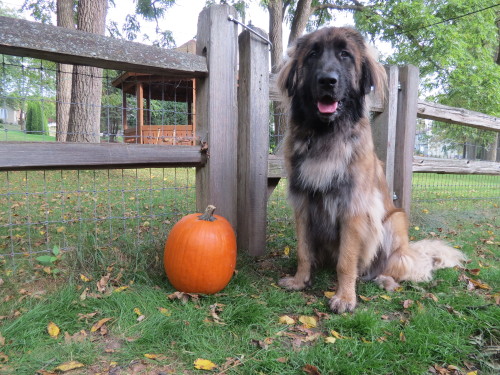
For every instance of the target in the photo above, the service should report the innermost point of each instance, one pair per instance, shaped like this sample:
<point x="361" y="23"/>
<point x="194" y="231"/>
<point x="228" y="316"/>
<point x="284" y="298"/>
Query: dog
<point x="343" y="211"/>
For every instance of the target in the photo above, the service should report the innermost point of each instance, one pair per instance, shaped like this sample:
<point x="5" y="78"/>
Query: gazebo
<point x="148" y="87"/>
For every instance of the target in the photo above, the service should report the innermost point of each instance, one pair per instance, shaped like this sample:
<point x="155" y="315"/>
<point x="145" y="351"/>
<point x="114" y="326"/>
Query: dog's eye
<point x="344" y="54"/>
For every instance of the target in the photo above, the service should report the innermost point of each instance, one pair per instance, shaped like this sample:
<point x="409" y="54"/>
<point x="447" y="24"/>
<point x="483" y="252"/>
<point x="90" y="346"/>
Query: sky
<point x="181" y="19"/>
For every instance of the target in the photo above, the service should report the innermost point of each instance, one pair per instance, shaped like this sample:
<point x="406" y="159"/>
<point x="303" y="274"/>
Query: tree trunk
<point x="86" y="91"/>
<point x="276" y="13"/>
<point x="302" y="14"/>
<point x="65" y="18"/>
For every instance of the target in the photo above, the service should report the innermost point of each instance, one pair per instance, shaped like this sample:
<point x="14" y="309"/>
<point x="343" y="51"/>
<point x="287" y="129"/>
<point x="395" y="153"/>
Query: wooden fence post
<point x="384" y="126"/>
<point x="405" y="135"/>
<point x="217" y="111"/>
<point x="253" y="142"/>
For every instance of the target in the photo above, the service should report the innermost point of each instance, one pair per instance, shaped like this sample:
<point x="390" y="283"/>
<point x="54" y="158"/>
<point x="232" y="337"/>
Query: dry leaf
<point x="407" y="303"/>
<point x="402" y="337"/>
<point x="164" y="311"/>
<point x="386" y="297"/>
<point x="3" y="357"/>
<point x="2" y="340"/>
<point x="311" y="370"/>
<point x="308" y="321"/>
<point x="103" y="282"/>
<point x="96" y="327"/>
<point x="84" y="278"/>
<point x="330" y="340"/>
<point x="68" y="366"/>
<point x="53" y="330"/>
<point x="77" y="337"/>
<point x="329" y="294"/>
<point x="215" y="310"/>
<point x="337" y="335"/>
<point x="137" y="311"/>
<point x="120" y="289"/>
<point x="152" y="356"/>
<point x="204" y="364"/>
<point x="83" y="296"/>
<point x="183" y="297"/>
<point x="285" y="319"/>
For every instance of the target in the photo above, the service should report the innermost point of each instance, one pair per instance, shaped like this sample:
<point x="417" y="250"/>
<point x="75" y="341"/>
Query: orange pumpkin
<point x="200" y="253"/>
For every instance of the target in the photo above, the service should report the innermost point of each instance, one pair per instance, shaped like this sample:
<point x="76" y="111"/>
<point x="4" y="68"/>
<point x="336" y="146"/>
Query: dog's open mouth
<point x="327" y="105"/>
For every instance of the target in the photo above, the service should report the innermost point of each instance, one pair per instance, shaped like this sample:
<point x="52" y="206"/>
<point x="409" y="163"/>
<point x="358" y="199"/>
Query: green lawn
<point x="115" y="223"/>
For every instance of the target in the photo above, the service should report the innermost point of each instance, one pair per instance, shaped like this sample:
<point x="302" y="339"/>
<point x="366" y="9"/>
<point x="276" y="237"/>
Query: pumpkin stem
<point x="208" y="215"/>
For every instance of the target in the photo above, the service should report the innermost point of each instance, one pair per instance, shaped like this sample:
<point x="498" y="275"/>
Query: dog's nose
<point x="328" y="79"/>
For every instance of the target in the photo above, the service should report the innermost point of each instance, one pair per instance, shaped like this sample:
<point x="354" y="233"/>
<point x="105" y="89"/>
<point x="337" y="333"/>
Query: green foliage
<point x="36" y="122"/>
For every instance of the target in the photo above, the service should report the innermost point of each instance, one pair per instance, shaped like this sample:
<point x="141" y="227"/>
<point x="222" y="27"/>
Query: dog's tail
<point x="418" y="260"/>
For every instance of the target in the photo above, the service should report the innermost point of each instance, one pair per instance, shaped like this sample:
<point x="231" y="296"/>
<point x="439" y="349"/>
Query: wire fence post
<point x="217" y="111"/>
<point x="253" y="141"/>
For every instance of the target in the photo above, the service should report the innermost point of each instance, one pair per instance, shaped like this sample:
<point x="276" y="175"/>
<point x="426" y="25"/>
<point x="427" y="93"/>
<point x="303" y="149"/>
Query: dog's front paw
<point x="292" y="283"/>
<point x="340" y="304"/>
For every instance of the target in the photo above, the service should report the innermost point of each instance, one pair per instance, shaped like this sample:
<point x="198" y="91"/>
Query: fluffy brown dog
<point x="344" y="213"/>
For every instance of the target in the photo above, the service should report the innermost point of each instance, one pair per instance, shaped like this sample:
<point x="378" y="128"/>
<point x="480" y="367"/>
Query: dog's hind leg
<point x="305" y="259"/>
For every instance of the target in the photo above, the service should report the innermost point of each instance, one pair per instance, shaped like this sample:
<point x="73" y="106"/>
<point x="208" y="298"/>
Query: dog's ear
<point x="372" y="74"/>
<point x="287" y="77"/>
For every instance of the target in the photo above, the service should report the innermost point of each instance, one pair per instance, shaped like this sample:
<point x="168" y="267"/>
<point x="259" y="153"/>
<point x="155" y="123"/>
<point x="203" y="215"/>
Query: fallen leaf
<point x="152" y="356"/>
<point x="120" y="289"/>
<point x="402" y="337"/>
<point x="407" y="303"/>
<point x="286" y="251"/>
<point x="53" y="330"/>
<point x="215" y="310"/>
<point x="311" y="370"/>
<point x="83" y="296"/>
<point x="386" y="297"/>
<point x="285" y="319"/>
<point x="431" y="296"/>
<point x="84" y="278"/>
<point x="164" y="311"/>
<point x="137" y="311"/>
<point x="204" y="364"/>
<point x="96" y="327"/>
<point x="337" y="335"/>
<point x="330" y="340"/>
<point x="68" y="366"/>
<point x="103" y="282"/>
<point x="2" y="340"/>
<point x="3" y="357"/>
<point x="329" y="294"/>
<point x="308" y="321"/>
<point x="77" y="337"/>
<point x="183" y="297"/>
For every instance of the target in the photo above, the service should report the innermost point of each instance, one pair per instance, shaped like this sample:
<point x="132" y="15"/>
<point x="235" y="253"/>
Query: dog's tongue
<point x="327" y="107"/>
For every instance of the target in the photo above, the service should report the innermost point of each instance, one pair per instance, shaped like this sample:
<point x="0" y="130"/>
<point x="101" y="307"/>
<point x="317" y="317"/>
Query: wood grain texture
<point x="217" y="111"/>
<point x="51" y="155"/>
<point x="453" y="166"/>
<point x="405" y="135"/>
<point x="384" y="126"/>
<point x="253" y="142"/>
<point x="439" y="112"/>
<point x="32" y="39"/>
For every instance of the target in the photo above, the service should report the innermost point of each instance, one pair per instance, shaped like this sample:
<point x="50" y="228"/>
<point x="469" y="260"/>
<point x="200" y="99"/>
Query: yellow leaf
<point x="366" y="341"/>
<point x="60" y="229"/>
<point x="120" y="289"/>
<point x="329" y="294"/>
<point x="330" y="340"/>
<point x="402" y="337"/>
<point x="286" y="251"/>
<point x="472" y="372"/>
<point x="285" y="319"/>
<point x="53" y="330"/>
<point x="417" y="228"/>
<point x="68" y="366"/>
<point x="137" y="311"/>
<point x="204" y="364"/>
<point x="386" y="297"/>
<point x="425" y="211"/>
<point x="164" y="311"/>
<point x="337" y="335"/>
<point x="151" y="356"/>
<point x="308" y="321"/>
<point x="84" y="278"/>
<point x="96" y="327"/>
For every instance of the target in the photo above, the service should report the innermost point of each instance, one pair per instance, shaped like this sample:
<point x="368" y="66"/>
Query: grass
<point x="450" y="321"/>
<point x="12" y="133"/>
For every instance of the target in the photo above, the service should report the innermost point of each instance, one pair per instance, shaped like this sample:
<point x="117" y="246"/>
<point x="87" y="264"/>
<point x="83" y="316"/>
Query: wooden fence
<point x="233" y="168"/>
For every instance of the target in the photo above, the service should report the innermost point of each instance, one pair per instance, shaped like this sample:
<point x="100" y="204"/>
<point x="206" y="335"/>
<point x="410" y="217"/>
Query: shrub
<point x="35" y="119"/>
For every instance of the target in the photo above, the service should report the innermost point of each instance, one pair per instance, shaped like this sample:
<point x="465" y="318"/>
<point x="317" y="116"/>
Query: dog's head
<point x="328" y="68"/>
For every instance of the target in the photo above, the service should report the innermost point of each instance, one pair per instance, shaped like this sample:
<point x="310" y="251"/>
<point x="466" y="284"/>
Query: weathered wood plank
<point x="453" y="166"/>
<point x="253" y="142"/>
<point x="52" y="155"/>
<point x="405" y="135"/>
<point x="33" y="39"/>
<point x="439" y="112"/>
<point x="384" y="126"/>
<point x="217" y="111"/>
